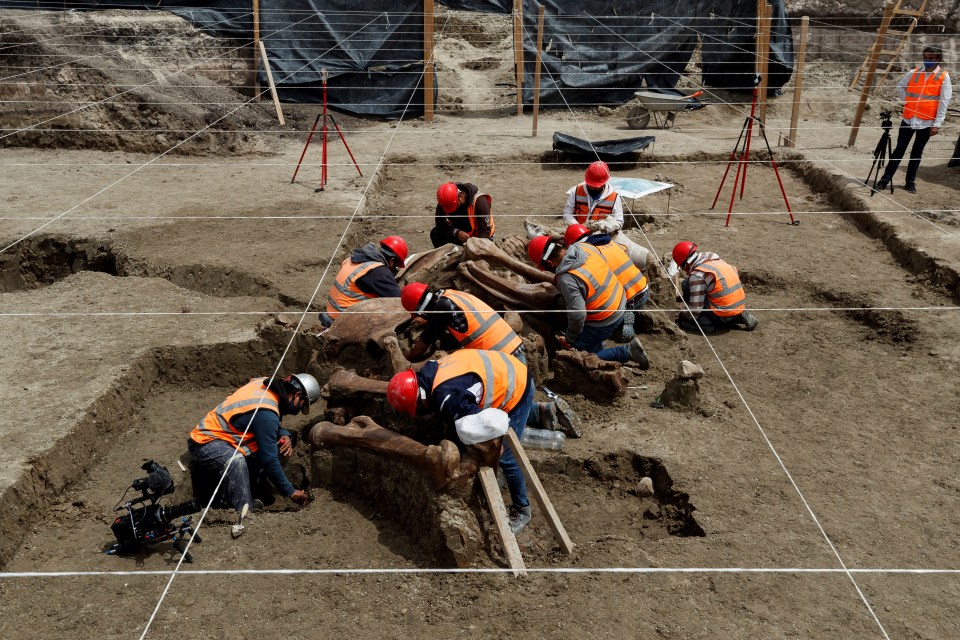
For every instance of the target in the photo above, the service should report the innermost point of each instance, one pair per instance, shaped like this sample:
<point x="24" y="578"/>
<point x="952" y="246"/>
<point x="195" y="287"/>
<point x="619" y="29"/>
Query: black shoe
<point x="882" y="184"/>
<point x="953" y="163"/>
<point x="637" y="354"/>
<point x="747" y="321"/>
<point x="910" y="188"/>
<point x="693" y="327"/>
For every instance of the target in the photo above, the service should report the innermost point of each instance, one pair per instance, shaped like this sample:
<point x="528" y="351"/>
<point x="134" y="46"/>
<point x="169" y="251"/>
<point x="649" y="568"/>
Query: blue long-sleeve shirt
<point x="455" y="398"/>
<point x="267" y="430"/>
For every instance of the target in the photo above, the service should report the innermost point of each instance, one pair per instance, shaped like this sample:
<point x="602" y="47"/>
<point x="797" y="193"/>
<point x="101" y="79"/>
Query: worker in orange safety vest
<point x="369" y="272"/>
<point x="712" y="291"/>
<point x="463" y="212"/>
<point x="926" y="91"/>
<point x="248" y="420"/>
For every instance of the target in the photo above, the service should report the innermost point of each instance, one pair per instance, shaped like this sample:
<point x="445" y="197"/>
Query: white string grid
<point x="843" y="570"/>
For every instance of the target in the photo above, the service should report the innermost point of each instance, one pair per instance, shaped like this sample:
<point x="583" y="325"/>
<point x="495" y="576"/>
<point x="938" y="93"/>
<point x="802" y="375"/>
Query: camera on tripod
<point x="886" y="120"/>
<point x="151" y="523"/>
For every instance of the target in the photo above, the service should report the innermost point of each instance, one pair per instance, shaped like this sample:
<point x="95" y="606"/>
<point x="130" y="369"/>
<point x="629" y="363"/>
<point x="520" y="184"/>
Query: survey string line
<point x="402" y="571"/>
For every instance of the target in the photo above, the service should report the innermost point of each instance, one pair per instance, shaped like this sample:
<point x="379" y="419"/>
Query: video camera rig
<point x="141" y="527"/>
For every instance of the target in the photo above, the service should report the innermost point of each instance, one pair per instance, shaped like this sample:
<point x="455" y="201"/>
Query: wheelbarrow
<point x="668" y="101"/>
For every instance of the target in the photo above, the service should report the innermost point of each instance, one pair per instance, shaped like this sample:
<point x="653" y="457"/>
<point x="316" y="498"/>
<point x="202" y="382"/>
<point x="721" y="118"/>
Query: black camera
<point x="886" y="119"/>
<point x="151" y="523"/>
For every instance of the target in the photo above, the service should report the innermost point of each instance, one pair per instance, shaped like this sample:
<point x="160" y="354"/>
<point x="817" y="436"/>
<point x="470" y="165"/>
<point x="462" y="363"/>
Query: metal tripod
<point x="744" y="159"/>
<point x="323" y="154"/>
<point x="880" y="154"/>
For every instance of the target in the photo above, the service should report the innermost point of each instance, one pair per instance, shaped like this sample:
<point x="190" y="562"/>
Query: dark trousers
<point x="955" y="160"/>
<point x="903" y="140"/>
<point x="440" y="236"/>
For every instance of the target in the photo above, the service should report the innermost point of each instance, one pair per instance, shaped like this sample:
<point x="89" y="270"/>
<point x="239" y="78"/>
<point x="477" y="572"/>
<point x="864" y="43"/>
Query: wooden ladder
<point x="893" y="41"/>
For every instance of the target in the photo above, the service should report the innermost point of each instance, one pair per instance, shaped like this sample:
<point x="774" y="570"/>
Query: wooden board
<point x="488" y="480"/>
<point x="273" y="88"/>
<point x="539" y="494"/>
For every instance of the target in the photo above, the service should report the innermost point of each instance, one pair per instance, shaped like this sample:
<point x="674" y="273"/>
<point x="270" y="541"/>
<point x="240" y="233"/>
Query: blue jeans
<point x="508" y="464"/>
<point x="592" y="337"/>
<point x="210" y="460"/>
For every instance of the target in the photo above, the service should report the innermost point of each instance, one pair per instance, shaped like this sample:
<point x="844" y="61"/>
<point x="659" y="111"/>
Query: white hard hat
<point x="310" y="387"/>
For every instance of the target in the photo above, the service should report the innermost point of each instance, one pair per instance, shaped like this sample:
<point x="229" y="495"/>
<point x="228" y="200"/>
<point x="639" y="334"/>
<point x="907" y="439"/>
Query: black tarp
<point x="595" y="51"/>
<point x="601" y="51"/>
<point x="603" y="149"/>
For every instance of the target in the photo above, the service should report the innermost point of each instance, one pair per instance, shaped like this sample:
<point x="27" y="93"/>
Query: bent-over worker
<point x="369" y="272"/>
<point x="462" y="213"/>
<point x="712" y="291"/>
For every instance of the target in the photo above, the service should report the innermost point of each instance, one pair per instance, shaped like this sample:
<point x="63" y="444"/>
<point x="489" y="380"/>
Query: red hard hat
<point x="597" y="174"/>
<point x="411" y="296"/>
<point x="402" y="392"/>
<point x="575" y="233"/>
<point x="448" y="197"/>
<point x="541" y="248"/>
<point x="682" y="252"/>
<point x="397" y="246"/>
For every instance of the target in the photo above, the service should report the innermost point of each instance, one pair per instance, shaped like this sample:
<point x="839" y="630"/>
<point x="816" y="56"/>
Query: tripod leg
<point x="733" y="195"/>
<point x="309" y="137"/>
<point x="753" y="110"/>
<point x="729" y="162"/>
<point x="344" y="140"/>
<point x="783" y="192"/>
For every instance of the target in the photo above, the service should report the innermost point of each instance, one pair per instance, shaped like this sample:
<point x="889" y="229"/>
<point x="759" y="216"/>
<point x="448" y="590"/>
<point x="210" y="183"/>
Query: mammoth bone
<point x="442" y="463"/>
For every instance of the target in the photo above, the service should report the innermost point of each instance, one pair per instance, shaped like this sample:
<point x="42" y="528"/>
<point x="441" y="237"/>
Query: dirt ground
<point x="137" y="296"/>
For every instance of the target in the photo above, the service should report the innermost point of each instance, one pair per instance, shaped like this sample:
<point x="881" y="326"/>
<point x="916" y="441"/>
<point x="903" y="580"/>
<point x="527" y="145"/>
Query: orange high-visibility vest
<point x="345" y="293"/>
<point x="923" y="94"/>
<point x="632" y="279"/>
<point x="485" y="328"/>
<point x="727" y="297"/>
<point x="504" y="378"/>
<point x="581" y="206"/>
<point x="473" y="218"/>
<point x="605" y="294"/>
<point x="216" y="424"/>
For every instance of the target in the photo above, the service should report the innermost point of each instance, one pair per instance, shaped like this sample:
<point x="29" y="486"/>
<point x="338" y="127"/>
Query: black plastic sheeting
<point x="599" y="52"/>
<point x="595" y="51"/>
<point x="603" y="149"/>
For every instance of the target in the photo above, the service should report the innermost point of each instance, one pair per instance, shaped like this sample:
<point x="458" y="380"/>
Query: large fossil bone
<point x="421" y="266"/>
<point x="442" y="463"/>
<point x="539" y="296"/>
<point x="344" y="384"/>
<point x="365" y="323"/>
<point x="484" y="249"/>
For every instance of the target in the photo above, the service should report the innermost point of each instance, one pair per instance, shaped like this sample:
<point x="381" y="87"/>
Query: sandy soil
<point x="849" y="384"/>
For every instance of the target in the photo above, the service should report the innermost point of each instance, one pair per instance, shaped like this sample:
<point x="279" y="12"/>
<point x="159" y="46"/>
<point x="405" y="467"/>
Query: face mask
<point x="594" y="192"/>
<point x="929" y="65"/>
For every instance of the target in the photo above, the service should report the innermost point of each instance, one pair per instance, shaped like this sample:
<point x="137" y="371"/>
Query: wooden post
<point x="428" y="60"/>
<point x="798" y="81"/>
<point x="518" y="51"/>
<point x="871" y="71"/>
<point x="763" y="63"/>
<point x="539" y="494"/>
<point x="273" y="89"/>
<point x="536" y="75"/>
<point x="488" y="480"/>
<point x="256" y="50"/>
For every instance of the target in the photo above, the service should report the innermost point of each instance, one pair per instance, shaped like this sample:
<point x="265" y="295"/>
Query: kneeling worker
<point x="369" y="272"/>
<point x="633" y="281"/>
<point x="462" y="213"/>
<point x="467" y="319"/>
<point x="480" y="394"/>
<point x="712" y="290"/>
<point x="473" y="325"/>
<point x="594" y="298"/>
<point x="250" y="419"/>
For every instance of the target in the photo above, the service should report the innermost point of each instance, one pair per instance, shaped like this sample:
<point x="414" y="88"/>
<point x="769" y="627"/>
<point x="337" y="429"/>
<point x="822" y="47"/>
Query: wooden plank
<point x="518" y="51"/>
<point x="428" y="60"/>
<point x="273" y="88"/>
<point x="488" y="480"/>
<point x="798" y="81"/>
<point x="539" y="494"/>
<point x="256" y="50"/>
<point x="536" y="75"/>
<point x="764" y="64"/>
<point x="872" y="69"/>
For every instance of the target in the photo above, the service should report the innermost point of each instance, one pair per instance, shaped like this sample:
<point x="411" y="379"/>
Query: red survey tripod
<point x="744" y="159"/>
<point x="324" y="75"/>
